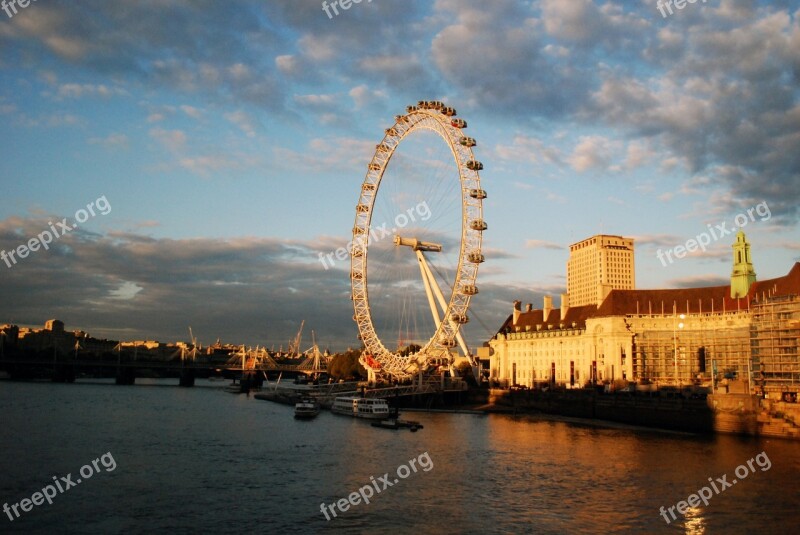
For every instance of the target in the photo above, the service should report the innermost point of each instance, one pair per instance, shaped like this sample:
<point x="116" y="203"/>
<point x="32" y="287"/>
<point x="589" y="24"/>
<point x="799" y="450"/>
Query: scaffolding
<point x="714" y="352"/>
<point x="774" y="334"/>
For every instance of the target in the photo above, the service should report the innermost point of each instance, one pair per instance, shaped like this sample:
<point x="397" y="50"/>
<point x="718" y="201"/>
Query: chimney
<point x="516" y="312"/>
<point x="564" y="305"/>
<point x="528" y="307"/>
<point x="548" y="306"/>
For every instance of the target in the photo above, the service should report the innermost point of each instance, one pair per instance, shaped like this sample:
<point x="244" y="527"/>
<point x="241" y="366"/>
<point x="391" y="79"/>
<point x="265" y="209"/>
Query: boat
<point x="306" y="409"/>
<point x="395" y="423"/>
<point x="358" y="407"/>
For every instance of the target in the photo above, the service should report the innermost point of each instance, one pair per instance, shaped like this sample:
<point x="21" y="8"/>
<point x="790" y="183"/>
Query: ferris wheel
<point x="446" y="262"/>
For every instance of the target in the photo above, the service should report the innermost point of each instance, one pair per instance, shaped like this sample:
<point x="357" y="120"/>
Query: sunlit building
<point x="738" y="337"/>
<point x="54" y="338"/>
<point x="598" y="265"/>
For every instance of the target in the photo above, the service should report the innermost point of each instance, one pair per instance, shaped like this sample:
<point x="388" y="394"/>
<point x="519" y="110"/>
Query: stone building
<point x="717" y="335"/>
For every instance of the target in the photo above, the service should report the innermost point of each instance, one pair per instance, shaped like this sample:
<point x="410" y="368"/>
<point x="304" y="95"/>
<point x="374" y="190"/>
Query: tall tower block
<point x="598" y="265"/>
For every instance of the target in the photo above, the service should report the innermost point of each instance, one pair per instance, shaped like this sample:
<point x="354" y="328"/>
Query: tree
<point x="346" y="366"/>
<point x="464" y="370"/>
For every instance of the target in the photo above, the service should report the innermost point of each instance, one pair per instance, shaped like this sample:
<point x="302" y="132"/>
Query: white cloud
<point x="592" y="152"/>
<point x="112" y="140"/>
<point x="173" y="140"/>
<point x="542" y="244"/>
<point x="242" y="120"/>
<point x="192" y="112"/>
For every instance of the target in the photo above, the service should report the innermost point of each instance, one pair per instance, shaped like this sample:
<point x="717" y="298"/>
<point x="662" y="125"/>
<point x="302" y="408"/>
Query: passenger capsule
<point x="447" y="342"/>
<point x="459" y="318"/>
<point x="477" y="193"/>
<point x="469" y="289"/>
<point x="459" y="123"/>
<point x="474" y="165"/>
<point x="467" y="141"/>
<point x="475" y="258"/>
<point x="478" y="224"/>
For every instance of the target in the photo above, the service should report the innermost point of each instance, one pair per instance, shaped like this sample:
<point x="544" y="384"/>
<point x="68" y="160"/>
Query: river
<point x="202" y="460"/>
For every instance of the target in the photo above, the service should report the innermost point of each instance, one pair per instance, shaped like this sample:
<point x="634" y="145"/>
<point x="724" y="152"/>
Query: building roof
<point x="577" y="315"/>
<point x="696" y="300"/>
<point x="667" y="301"/>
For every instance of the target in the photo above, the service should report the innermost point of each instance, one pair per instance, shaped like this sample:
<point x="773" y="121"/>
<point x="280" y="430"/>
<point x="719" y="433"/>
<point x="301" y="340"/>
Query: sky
<point x="221" y="147"/>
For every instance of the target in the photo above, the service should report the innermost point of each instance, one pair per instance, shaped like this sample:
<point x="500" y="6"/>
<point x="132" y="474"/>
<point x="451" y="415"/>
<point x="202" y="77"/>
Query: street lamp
<point x="675" y="346"/>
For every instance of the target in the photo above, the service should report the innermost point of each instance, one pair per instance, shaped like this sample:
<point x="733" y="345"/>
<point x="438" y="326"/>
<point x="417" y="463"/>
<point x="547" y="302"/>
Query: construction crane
<point x="294" y="345"/>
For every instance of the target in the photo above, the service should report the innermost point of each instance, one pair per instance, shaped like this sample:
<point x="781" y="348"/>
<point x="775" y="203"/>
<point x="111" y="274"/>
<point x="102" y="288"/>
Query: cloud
<point x="698" y="281"/>
<point x="173" y="140"/>
<point x="592" y="152"/>
<point x="192" y="112"/>
<point x="115" y="140"/>
<point x="104" y="282"/>
<point x="657" y="240"/>
<point x="242" y="120"/>
<point x="584" y="23"/>
<point x="325" y="154"/>
<point x="529" y="149"/>
<point x="90" y="90"/>
<point x="362" y="95"/>
<point x="513" y="75"/>
<point x="206" y="164"/>
<point x="127" y="284"/>
<point x="542" y="244"/>
<point x="722" y="101"/>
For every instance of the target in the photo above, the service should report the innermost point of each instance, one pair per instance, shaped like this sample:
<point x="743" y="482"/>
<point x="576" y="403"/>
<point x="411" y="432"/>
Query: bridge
<point x="64" y="369"/>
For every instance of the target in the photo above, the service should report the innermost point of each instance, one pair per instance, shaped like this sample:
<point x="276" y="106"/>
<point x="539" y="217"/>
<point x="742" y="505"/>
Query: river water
<point x="202" y="460"/>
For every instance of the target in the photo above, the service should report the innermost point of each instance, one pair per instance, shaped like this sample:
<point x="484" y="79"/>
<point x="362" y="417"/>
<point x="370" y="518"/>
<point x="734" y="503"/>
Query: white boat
<point x="306" y="408"/>
<point x="372" y="408"/>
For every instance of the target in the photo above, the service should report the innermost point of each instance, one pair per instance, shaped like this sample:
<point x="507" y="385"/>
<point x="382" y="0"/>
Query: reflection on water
<point x="694" y="523"/>
<point x="203" y="460"/>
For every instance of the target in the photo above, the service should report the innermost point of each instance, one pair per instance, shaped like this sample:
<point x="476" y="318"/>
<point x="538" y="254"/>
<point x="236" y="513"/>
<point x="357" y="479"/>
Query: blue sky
<point x="230" y="140"/>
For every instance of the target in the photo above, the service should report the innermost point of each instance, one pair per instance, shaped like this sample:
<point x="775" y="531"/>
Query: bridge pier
<point x="125" y="376"/>
<point x="187" y="377"/>
<point x="250" y="380"/>
<point x="63" y="373"/>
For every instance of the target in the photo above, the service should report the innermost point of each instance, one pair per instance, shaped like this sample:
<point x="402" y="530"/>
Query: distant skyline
<point x="230" y="140"/>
